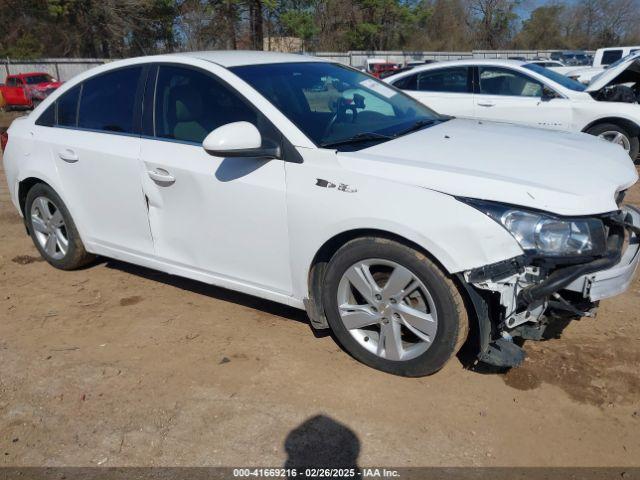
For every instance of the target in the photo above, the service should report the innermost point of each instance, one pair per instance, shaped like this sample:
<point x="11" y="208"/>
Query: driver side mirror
<point x="548" y="94"/>
<point x="241" y="140"/>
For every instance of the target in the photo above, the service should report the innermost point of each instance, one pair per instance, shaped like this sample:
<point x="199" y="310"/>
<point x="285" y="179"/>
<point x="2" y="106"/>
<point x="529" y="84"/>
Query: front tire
<point x="52" y="229"/>
<point x="618" y="135"/>
<point x="392" y="308"/>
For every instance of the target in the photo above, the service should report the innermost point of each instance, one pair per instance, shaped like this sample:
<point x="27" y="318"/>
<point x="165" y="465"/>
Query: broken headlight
<point x="546" y="234"/>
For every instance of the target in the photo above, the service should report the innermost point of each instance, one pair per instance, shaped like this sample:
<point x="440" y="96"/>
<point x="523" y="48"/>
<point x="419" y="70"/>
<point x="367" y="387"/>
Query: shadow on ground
<point x="323" y="443"/>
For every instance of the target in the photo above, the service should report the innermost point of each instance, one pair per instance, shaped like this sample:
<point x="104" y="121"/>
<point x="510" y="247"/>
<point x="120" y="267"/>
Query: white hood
<point x="560" y="172"/>
<point x="615" y="70"/>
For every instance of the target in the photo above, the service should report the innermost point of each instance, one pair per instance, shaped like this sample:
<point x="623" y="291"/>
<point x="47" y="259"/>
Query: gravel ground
<point x="119" y="365"/>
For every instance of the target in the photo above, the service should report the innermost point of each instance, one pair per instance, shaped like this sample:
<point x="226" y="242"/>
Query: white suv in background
<point x="528" y="94"/>
<point x="314" y="185"/>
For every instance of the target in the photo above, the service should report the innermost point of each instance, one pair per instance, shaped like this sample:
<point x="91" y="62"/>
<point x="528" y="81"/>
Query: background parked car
<point x="572" y="57"/>
<point x="27" y="90"/>
<point x="527" y="94"/>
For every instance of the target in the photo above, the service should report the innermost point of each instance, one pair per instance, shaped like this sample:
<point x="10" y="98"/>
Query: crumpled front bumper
<point x="617" y="279"/>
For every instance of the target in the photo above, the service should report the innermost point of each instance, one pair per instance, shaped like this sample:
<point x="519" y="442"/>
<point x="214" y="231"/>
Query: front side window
<point x="446" y="80"/>
<point x="13" y="82"/>
<point x="35" y="79"/>
<point x="563" y="80"/>
<point x="332" y="103"/>
<point x="503" y="81"/>
<point x="108" y="101"/>
<point x="190" y="104"/>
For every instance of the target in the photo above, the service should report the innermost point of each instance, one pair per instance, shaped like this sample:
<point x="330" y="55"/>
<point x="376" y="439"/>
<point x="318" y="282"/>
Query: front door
<point x="506" y="95"/>
<point x="220" y="216"/>
<point x="14" y="92"/>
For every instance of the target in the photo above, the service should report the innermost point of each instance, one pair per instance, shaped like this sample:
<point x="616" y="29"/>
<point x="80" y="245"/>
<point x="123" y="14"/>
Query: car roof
<point x="236" y="58"/>
<point x="471" y="61"/>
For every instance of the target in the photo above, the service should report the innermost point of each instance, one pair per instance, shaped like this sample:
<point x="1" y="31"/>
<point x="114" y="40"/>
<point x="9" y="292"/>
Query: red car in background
<point x="27" y="90"/>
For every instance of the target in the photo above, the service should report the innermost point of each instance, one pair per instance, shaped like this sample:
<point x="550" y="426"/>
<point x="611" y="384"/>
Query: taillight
<point x="4" y="139"/>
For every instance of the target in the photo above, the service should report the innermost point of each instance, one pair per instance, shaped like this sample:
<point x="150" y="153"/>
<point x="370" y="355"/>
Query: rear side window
<point x="68" y="108"/>
<point x="191" y="104"/>
<point x="611" y="56"/>
<point x="108" y="101"/>
<point x="447" y="80"/>
<point x="407" y="83"/>
<point x="64" y="112"/>
<point x="48" y="118"/>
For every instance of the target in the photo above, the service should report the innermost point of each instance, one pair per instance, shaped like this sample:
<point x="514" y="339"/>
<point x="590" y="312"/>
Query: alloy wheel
<point x="387" y="309"/>
<point x="49" y="228"/>
<point x="618" y="138"/>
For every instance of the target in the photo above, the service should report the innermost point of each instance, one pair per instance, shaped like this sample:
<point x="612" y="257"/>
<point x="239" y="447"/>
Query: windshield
<point x="566" y="82"/>
<point x="34" y="79"/>
<point x="332" y="103"/>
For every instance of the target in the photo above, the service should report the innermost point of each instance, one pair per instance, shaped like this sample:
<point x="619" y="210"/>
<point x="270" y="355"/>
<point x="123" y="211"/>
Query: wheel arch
<point x="632" y="127"/>
<point x="316" y="269"/>
<point x="23" y="189"/>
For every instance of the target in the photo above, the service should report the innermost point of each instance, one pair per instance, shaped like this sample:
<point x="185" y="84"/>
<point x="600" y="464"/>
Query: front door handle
<point x="68" y="155"/>
<point x="161" y="176"/>
<point x="486" y="104"/>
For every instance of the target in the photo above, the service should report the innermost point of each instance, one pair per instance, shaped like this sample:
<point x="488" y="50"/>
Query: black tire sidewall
<point x="76" y="255"/>
<point x="444" y="344"/>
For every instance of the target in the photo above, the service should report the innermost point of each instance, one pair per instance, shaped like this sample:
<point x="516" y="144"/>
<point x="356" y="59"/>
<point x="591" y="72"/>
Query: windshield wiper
<point x="419" y="125"/>
<point x="360" y="137"/>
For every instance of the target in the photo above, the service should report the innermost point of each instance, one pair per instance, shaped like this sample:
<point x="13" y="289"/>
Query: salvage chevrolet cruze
<point x="315" y="185"/>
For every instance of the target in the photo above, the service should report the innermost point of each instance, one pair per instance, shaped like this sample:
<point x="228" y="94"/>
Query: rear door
<point x="445" y="90"/>
<point x="96" y="145"/>
<point x="507" y="95"/>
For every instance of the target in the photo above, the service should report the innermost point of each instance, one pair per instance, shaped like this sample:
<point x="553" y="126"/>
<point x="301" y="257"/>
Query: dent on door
<point x="225" y="216"/>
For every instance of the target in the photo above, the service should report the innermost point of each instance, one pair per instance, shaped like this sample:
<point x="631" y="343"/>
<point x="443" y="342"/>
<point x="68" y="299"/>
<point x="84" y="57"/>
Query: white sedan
<point x="528" y="94"/>
<point x="314" y="185"/>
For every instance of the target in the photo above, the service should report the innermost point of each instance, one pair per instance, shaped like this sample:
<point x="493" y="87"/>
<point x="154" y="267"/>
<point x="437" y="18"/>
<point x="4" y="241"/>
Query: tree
<point x="493" y="22"/>
<point x="543" y="29"/>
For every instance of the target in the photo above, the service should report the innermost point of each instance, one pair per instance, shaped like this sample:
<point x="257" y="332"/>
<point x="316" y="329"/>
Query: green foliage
<point x="120" y="28"/>
<point x="299" y="24"/>
<point x="24" y="48"/>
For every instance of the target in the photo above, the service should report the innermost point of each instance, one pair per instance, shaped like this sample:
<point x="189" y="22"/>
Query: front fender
<point x="455" y="234"/>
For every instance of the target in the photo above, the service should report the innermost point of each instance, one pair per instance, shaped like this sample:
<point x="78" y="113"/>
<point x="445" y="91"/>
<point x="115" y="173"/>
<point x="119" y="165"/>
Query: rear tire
<point x="609" y="131"/>
<point x="414" y="331"/>
<point x="52" y="229"/>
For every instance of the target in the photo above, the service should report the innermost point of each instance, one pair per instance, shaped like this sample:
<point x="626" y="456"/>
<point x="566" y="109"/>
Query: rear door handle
<point x="486" y="104"/>
<point x="161" y="176"/>
<point x="68" y="155"/>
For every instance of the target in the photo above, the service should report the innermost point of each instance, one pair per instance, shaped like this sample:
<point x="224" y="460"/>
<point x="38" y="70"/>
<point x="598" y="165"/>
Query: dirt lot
<point x="118" y="365"/>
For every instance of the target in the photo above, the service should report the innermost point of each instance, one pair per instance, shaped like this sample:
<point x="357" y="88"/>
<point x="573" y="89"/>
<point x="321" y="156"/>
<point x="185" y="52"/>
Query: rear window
<point x="611" y="56"/>
<point x="108" y="101"/>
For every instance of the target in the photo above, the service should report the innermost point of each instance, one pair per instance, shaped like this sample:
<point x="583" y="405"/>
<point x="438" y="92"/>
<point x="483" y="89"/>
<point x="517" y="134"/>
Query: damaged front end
<point x="535" y="295"/>
<point x="620" y="82"/>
